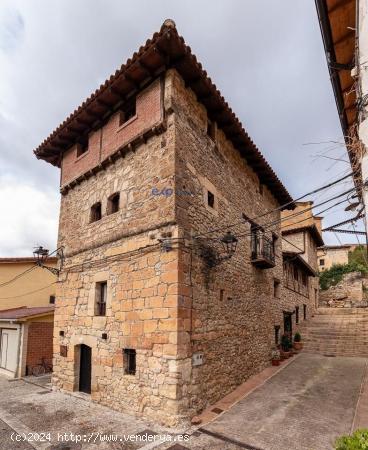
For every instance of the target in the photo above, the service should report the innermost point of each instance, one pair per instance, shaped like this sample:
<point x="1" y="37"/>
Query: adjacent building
<point x="170" y="290"/>
<point x="301" y="236"/>
<point x="331" y="255"/>
<point x="344" y="28"/>
<point x="27" y="297"/>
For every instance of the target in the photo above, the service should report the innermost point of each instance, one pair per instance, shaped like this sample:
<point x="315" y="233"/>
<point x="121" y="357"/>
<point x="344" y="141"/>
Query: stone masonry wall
<point x="233" y="306"/>
<point x="167" y="305"/>
<point x="347" y="293"/>
<point x="142" y="310"/>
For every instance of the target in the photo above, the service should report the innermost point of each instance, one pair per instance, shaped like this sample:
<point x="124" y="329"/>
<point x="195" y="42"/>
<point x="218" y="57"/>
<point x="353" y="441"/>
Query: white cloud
<point x="265" y="56"/>
<point x="28" y="217"/>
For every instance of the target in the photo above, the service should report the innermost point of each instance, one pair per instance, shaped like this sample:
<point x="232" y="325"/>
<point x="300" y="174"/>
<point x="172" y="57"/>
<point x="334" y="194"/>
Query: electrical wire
<point x="28" y="293"/>
<point x="5" y="283"/>
<point x="279" y="208"/>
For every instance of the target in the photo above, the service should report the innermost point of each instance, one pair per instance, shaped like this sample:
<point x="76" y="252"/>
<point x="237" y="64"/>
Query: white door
<point x="8" y="350"/>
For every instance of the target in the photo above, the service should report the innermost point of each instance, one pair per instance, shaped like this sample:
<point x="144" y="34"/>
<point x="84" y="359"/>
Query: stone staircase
<point x="337" y="332"/>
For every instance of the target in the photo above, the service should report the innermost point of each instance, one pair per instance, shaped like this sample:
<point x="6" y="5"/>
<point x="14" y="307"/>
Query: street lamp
<point x="40" y="254"/>
<point x="229" y="242"/>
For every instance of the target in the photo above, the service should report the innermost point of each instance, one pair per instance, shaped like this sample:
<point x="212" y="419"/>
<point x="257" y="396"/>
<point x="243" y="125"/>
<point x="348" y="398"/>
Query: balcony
<point x="263" y="252"/>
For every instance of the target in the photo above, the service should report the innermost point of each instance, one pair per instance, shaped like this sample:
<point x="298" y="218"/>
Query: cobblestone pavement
<point x="5" y="439"/>
<point x="305" y="406"/>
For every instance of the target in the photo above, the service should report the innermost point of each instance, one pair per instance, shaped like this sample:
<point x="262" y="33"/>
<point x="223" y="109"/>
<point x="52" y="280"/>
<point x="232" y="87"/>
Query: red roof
<point x="166" y="49"/>
<point x="25" y="259"/>
<point x="24" y="312"/>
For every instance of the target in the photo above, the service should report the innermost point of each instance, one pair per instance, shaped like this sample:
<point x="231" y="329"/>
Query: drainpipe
<point x="19" y="354"/>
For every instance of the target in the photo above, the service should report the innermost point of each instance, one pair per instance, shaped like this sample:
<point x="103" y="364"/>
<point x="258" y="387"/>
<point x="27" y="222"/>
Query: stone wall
<point x="170" y="306"/>
<point x="347" y="293"/>
<point x="234" y="308"/>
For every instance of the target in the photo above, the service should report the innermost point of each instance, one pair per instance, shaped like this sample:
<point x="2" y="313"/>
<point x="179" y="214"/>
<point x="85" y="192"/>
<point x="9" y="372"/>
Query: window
<point x="96" y="212"/>
<point x="113" y="203"/>
<point x="277" y="334"/>
<point x="211" y="130"/>
<point x="101" y="294"/>
<point x="222" y="295"/>
<point x="52" y="300"/>
<point x="82" y="146"/>
<point x="322" y="262"/>
<point x="128" y="111"/>
<point x="276" y="288"/>
<point x="210" y="199"/>
<point x="297" y="314"/>
<point x="275" y="238"/>
<point x="129" y="361"/>
<point x="304" y="279"/>
<point x="305" y="312"/>
<point x="296" y="277"/>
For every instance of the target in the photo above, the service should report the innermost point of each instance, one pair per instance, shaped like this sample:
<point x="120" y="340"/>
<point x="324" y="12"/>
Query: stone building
<point x="330" y="255"/>
<point x="155" y="314"/>
<point x="301" y="237"/>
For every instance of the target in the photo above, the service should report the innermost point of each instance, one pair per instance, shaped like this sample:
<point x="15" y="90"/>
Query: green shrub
<point x="297" y="337"/>
<point x="357" y="441"/>
<point x="358" y="256"/>
<point x="285" y="343"/>
<point x="332" y="276"/>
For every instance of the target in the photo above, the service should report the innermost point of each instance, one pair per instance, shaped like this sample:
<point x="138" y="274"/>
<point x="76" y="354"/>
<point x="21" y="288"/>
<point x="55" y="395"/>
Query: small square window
<point x="210" y="199"/>
<point x="52" y="300"/>
<point x="96" y="212"/>
<point x="276" y="288"/>
<point x="321" y="262"/>
<point x="101" y="295"/>
<point x="129" y="361"/>
<point x="82" y="146"/>
<point x="113" y="203"/>
<point x="128" y="111"/>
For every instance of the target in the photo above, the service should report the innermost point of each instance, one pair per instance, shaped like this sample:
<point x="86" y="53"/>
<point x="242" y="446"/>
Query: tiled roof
<point x="165" y="50"/>
<point x="24" y="312"/>
<point x="26" y="259"/>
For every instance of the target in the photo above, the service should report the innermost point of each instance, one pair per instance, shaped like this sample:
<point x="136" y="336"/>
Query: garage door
<point x="8" y="349"/>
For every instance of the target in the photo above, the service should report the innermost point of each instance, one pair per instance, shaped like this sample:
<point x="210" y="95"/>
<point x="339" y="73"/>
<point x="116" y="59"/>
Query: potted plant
<point x="285" y="346"/>
<point x="275" y="356"/>
<point x="298" y="344"/>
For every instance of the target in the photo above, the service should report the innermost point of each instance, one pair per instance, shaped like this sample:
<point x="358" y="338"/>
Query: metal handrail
<point x="262" y="247"/>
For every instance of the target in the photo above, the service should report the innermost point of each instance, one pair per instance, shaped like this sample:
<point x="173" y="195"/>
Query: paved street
<point x="305" y="406"/>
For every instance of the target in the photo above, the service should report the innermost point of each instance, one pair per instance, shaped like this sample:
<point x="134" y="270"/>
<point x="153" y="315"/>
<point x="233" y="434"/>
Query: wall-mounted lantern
<point x="229" y="242"/>
<point x="41" y="254"/>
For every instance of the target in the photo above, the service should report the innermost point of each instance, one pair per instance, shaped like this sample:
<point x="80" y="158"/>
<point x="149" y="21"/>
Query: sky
<point x="265" y="56"/>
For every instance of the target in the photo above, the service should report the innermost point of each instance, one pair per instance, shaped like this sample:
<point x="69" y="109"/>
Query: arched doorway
<point x="85" y="368"/>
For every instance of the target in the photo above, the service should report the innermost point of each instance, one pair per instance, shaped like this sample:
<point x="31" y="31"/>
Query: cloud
<point x="11" y="29"/>
<point x="28" y="217"/>
<point x="265" y="56"/>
